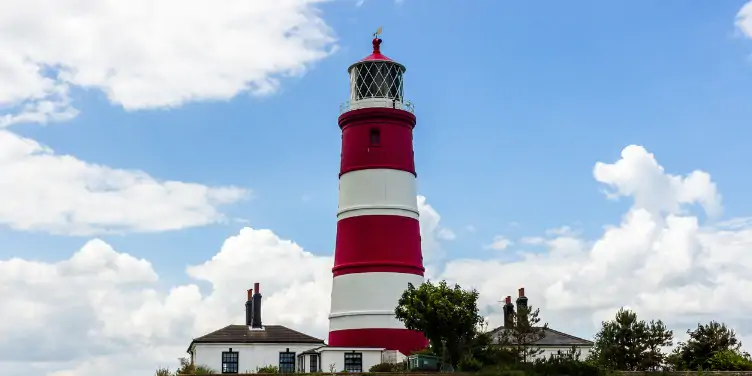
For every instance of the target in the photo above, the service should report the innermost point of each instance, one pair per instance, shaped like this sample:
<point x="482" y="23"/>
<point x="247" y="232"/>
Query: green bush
<point x="163" y="372"/>
<point x="387" y="367"/>
<point x="267" y="369"/>
<point x="469" y="364"/>
<point x="729" y="360"/>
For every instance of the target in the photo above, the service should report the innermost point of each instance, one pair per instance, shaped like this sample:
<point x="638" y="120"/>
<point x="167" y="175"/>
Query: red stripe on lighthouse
<point x="378" y="243"/>
<point x="404" y="340"/>
<point x="394" y="147"/>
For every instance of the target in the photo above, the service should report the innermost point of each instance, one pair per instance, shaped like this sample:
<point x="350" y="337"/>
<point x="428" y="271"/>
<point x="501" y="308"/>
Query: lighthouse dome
<point x="376" y="81"/>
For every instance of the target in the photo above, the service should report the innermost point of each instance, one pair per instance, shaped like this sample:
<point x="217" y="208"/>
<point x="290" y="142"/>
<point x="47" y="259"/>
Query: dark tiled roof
<point x="270" y="334"/>
<point x="551" y="338"/>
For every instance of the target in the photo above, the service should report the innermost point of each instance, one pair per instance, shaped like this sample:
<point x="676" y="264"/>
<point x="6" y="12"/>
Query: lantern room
<point x="376" y="81"/>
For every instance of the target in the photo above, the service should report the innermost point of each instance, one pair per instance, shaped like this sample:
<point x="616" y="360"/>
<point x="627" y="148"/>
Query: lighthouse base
<point x="403" y="340"/>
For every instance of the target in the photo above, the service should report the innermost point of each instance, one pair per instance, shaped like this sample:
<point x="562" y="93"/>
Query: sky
<point x="159" y="157"/>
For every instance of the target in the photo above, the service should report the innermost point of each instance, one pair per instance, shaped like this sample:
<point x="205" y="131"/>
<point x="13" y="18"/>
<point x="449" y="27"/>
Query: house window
<point x="314" y="363"/>
<point x="230" y="361"/>
<point x="375" y="137"/>
<point x="287" y="362"/>
<point x="353" y="362"/>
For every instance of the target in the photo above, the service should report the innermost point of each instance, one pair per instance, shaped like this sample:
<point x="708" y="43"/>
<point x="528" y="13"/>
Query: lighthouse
<point x="378" y="251"/>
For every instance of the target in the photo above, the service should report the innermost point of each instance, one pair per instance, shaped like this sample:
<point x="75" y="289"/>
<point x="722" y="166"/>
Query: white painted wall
<point x="250" y="356"/>
<point x="336" y="357"/>
<point x="377" y="191"/>
<point x="368" y="300"/>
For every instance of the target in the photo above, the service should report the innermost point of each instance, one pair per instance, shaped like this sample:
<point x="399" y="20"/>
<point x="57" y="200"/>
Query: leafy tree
<point x="629" y="344"/>
<point x="525" y="332"/>
<point x="710" y="347"/>
<point x="447" y="316"/>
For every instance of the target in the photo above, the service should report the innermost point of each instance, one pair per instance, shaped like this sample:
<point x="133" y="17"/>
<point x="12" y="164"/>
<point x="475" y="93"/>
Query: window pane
<point x="353" y="362"/>
<point x="230" y="362"/>
<point x="286" y="362"/>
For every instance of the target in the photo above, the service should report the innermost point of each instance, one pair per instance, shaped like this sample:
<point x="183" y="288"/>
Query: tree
<point x="525" y="332"/>
<point x="629" y="344"/>
<point x="710" y="347"/>
<point x="447" y="317"/>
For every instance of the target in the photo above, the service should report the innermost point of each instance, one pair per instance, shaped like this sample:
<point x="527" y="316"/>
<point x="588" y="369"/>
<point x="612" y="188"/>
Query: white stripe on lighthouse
<point x="368" y="300"/>
<point x="377" y="192"/>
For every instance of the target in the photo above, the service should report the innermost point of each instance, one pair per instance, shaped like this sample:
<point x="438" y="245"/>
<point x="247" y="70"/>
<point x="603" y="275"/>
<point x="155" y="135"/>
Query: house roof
<point x="270" y="334"/>
<point x="550" y="338"/>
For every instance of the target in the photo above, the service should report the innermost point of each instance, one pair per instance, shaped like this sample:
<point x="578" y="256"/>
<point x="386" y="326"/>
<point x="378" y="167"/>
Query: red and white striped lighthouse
<point x="378" y="236"/>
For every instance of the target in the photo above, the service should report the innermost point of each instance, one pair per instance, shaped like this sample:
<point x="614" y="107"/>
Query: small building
<point x="423" y="362"/>
<point x="553" y="342"/>
<point x="246" y="348"/>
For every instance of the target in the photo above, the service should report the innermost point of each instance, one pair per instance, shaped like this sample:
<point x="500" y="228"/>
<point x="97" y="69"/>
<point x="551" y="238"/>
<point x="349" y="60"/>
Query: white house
<point x="245" y="348"/>
<point x="553" y="342"/>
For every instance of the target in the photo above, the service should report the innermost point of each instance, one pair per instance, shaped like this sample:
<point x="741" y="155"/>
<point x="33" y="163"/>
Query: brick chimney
<point x="522" y="306"/>
<point x="256" y="315"/>
<point x="508" y="313"/>
<point x="249" y="308"/>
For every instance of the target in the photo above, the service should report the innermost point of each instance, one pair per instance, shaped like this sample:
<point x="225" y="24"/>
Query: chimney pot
<point x="250" y="295"/>
<point x="256" y="288"/>
<point x="521" y="291"/>
<point x="509" y="300"/>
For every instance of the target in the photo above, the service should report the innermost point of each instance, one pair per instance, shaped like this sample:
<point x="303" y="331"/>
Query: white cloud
<point x="744" y="20"/>
<point x="667" y="266"/>
<point x="108" y="303"/>
<point x="499" y="243"/>
<point x="45" y="191"/>
<point x="660" y="260"/>
<point x="638" y="176"/>
<point x="150" y="54"/>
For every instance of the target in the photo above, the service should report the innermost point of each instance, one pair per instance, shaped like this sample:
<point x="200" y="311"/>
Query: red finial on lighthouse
<point x="376" y="55"/>
<point x="377" y="45"/>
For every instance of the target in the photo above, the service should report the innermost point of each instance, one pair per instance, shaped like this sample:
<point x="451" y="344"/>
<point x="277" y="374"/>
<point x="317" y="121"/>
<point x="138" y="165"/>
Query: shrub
<point x="469" y="364"/>
<point x="383" y="367"/>
<point x="267" y="369"/>
<point x="729" y="360"/>
<point x="163" y="372"/>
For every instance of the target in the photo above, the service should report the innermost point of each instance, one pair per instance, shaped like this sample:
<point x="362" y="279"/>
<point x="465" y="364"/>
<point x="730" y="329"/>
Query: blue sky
<point x="516" y="103"/>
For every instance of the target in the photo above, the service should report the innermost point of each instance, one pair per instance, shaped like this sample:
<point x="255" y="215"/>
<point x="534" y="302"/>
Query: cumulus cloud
<point x="665" y="264"/>
<point x="150" y="54"/>
<point x="660" y="259"/>
<point x="111" y="306"/>
<point x="76" y="197"/>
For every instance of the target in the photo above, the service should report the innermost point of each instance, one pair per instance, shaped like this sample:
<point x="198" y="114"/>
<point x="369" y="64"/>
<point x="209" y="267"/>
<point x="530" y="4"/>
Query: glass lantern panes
<point x="376" y="79"/>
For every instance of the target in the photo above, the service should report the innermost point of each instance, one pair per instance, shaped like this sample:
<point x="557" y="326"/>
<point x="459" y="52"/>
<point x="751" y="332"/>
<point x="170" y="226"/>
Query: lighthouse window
<point x="378" y="80"/>
<point x="375" y="137"/>
<point x="353" y="362"/>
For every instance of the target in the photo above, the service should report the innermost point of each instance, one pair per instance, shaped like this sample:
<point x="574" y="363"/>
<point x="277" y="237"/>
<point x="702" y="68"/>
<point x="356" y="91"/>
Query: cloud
<point x="76" y="197"/>
<point x="744" y="20"/>
<point x="499" y="243"/>
<point x="660" y="259"/>
<point x="150" y="54"/>
<point x="111" y="306"/>
<point x="663" y="264"/>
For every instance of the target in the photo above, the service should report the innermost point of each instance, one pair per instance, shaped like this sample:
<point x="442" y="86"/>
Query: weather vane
<point x="377" y="33"/>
